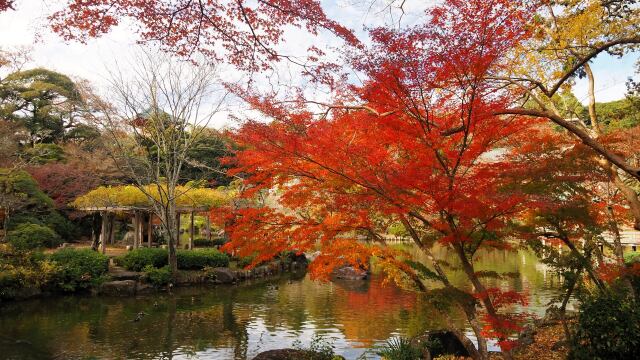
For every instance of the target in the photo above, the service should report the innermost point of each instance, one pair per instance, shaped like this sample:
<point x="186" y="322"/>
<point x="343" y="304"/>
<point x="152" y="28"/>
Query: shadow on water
<point x="237" y="322"/>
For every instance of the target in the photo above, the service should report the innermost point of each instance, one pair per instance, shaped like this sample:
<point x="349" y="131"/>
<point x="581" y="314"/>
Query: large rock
<point x="350" y="273"/>
<point x="144" y="288"/>
<point x="223" y="275"/>
<point x="118" y="273"/>
<point x="118" y="288"/>
<point x="527" y="336"/>
<point x="292" y="354"/>
<point x="440" y="343"/>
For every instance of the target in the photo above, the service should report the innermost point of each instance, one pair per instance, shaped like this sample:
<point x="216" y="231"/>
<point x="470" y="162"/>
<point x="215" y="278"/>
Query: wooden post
<point x="208" y="222"/>
<point x="112" y="228"/>
<point x="140" y="229"/>
<point x="136" y="232"/>
<point x="178" y="226"/>
<point x="103" y="232"/>
<point x="191" y="231"/>
<point x="150" y="230"/>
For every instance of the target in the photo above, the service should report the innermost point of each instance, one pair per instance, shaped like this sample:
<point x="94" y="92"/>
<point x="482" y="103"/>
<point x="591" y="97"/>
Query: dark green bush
<point x="157" y="277"/>
<point x="608" y="327"/>
<point x="243" y="262"/>
<point x="79" y="268"/>
<point x="32" y="236"/>
<point x="199" y="259"/>
<point x="136" y="260"/>
<point x="208" y="243"/>
<point x="61" y="225"/>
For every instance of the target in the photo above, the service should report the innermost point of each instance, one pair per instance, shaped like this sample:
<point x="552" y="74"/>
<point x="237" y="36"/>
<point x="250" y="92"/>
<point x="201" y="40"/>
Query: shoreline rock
<point x="293" y="354"/>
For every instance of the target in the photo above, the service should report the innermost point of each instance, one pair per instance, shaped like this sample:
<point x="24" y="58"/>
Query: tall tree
<point x="566" y="37"/>
<point x="48" y="104"/>
<point x="155" y="119"/>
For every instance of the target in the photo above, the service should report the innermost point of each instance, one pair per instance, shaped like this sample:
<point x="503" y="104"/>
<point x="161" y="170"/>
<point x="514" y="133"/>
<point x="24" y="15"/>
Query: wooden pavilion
<point x="142" y="221"/>
<point x="109" y="202"/>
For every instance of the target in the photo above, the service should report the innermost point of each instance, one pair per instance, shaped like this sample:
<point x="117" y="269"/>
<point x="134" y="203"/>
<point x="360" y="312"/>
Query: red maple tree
<point x="421" y="147"/>
<point x="246" y="34"/>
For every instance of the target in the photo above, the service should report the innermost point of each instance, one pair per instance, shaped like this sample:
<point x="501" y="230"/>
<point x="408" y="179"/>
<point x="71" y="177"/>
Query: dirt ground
<point x="543" y="347"/>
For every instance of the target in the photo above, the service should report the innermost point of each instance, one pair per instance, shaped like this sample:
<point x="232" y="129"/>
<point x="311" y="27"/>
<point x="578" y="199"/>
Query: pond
<point x="237" y="322"/>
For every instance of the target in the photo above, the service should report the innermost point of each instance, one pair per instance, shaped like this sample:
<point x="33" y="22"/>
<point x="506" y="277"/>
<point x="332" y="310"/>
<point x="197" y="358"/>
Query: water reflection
<point x="237" y="322"/>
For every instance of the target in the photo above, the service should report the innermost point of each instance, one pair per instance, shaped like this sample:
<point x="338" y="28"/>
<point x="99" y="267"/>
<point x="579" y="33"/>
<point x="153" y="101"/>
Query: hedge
<point x="137" y="260"/>
<point x="79" y="268"/>
<point x="208" y="243"/>
<point x="199" y="259"/>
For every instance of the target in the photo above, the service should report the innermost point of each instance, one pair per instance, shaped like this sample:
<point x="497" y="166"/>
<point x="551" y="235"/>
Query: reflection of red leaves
<point x="501" y="298"/>
<point x="612" y="272"/>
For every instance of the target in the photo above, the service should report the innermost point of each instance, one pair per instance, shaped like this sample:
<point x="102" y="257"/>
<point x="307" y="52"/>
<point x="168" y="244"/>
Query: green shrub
<point x="320" y="348"/>
<point x="631" y="257"/>
<point x="157" y="277"/>
<point x="399" y="349"/>
<point x="79" y="269"/>
<point x="61" y="225"/>
<point x="32" y="236"/>
<point x="243" y="262"/>
<point x="136" y="260"/>
<point x="208" y="243"/>
<point x="45" y="153"/>
<point x="21" y="272"/>
<point x="199" y="259"/>
<point x="608" y="327"/>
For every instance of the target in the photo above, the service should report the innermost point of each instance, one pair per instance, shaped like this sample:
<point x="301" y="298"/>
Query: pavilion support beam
<point x="208" y="222"/>
<point x="191" y="230"/>
<point x="136" y="229"/>
<point x="103" y="232"/>
<point x="150" y="230"/>
<point x="178" y="232"/>
<point x="112" y="228"/>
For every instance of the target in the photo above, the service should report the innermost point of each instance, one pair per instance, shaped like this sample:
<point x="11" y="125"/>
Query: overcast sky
<point x="27" y="27"/>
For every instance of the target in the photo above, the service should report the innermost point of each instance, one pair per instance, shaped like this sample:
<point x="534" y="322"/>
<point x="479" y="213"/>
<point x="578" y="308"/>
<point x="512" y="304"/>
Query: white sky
<point x="28" y="24"/>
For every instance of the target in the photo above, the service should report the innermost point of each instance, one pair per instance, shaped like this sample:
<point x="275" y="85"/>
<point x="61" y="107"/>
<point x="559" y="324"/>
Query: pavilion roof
<point x="129" y="198"/>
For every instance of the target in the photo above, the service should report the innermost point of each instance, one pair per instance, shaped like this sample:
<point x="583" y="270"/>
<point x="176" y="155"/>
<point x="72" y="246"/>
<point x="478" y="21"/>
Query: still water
<point x="237" y="322"/>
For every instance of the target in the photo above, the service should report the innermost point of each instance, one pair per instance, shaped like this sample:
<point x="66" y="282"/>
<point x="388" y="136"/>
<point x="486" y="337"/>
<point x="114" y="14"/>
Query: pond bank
<point x="128" y="283"/>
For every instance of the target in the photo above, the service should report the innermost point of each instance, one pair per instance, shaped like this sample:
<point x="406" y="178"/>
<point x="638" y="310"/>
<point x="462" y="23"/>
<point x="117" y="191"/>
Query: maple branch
<point x="588" y="57"/>
<point x="580" y="133"/>
<point x="353" y="107"/>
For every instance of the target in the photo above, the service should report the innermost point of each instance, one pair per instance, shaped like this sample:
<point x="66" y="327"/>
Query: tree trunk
<point x="150" y="230"/>
<point x="480" y="289"/>
<point x="191" y="230"/>
<point x="167" y="216"/>
<point x="208" y="222"/>
<point x="178" y="225"/>
<point x="103" y="232"/>
<point x="95" y="231"/>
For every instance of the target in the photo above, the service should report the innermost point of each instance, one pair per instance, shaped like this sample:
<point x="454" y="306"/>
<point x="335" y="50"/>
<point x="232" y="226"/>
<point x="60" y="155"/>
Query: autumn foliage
<point x="442" y="135"/>
<point x="246" y="35"/>
<point x="423" y="147"/>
